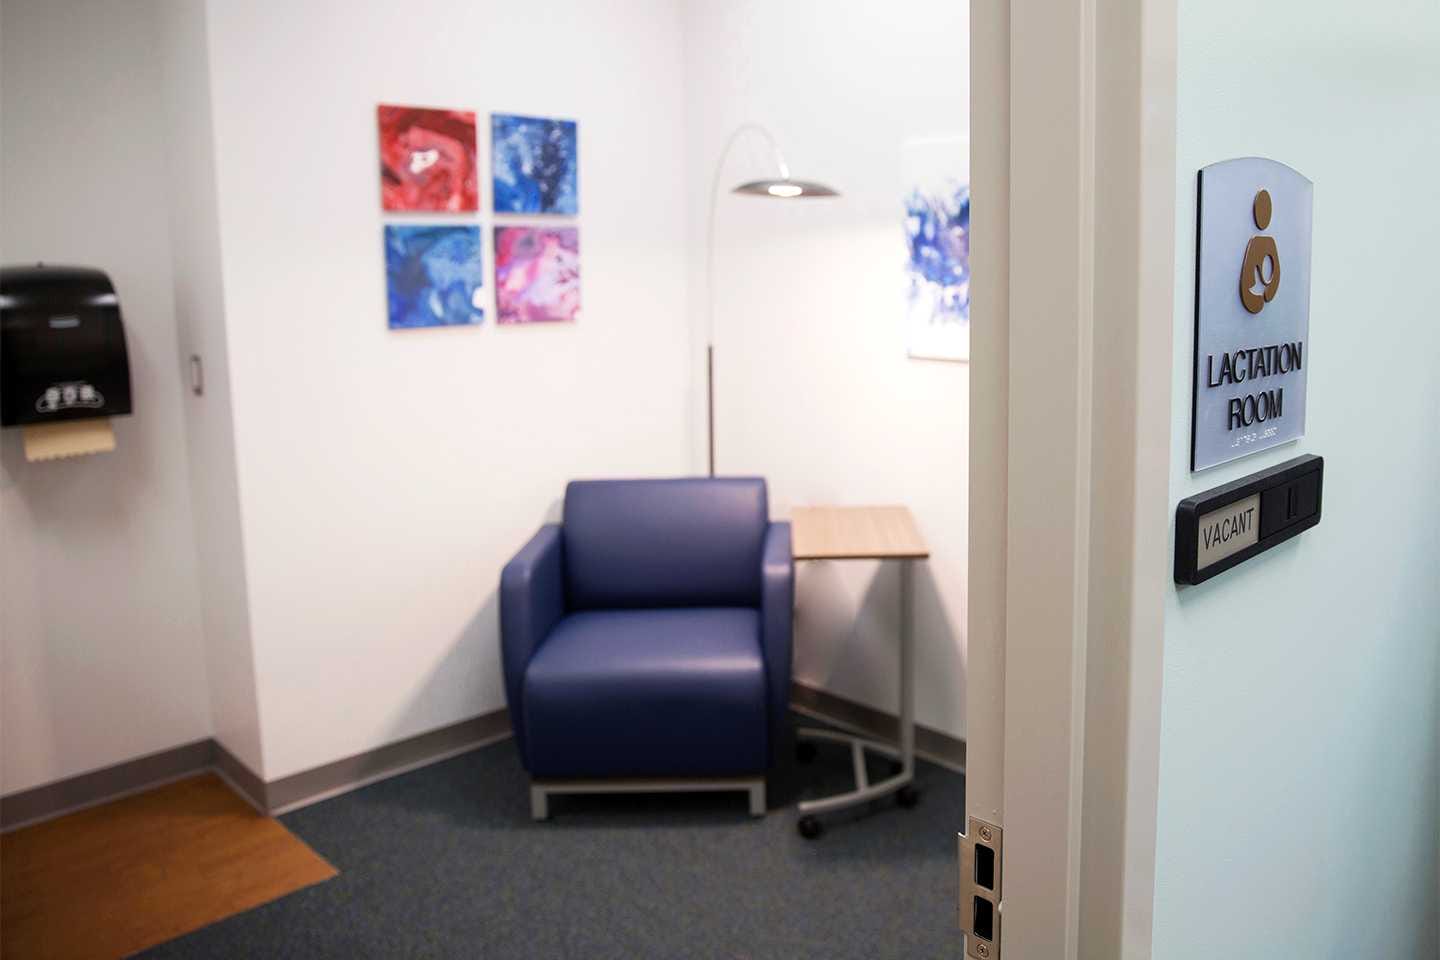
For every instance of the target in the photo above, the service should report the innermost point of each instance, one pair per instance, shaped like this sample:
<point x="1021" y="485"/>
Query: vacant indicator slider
<point x="1228" y="525"/>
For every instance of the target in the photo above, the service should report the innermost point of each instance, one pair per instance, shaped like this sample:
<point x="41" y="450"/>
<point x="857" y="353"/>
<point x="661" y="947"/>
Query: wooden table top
<point x="855" y="533"/>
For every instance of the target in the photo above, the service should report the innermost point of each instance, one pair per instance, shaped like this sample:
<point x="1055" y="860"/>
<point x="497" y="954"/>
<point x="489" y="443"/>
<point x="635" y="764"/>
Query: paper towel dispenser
<point x="62" y="346"/>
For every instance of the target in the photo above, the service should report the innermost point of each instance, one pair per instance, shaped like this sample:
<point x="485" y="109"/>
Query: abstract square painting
<point x="937" y="236"/>
<point x="535" y="164"/>
<point x="427" y="159"/>
<point x="434" y="276"/>
<point x="537" y="274"/>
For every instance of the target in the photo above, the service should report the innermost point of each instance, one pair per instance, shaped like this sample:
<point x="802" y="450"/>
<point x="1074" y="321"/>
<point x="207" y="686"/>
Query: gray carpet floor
<point x="445" y="862"/>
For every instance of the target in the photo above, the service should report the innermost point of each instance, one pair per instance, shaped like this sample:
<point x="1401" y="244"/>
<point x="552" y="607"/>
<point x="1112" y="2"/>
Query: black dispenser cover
<point x="62" y="346"/>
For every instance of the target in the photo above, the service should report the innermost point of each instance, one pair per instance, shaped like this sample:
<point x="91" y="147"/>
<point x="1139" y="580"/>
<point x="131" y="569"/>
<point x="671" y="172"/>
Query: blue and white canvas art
<point x="937" y="235"/>
<point x="434" y="276"/>
<point x="535" y="165"/>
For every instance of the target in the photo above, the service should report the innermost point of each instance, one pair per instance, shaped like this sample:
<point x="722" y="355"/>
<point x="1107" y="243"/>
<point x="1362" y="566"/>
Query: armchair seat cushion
<point x="648" y="693"/>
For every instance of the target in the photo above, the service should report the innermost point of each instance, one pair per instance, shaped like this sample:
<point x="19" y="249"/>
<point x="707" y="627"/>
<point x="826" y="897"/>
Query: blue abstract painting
<point x="434" y="276"/>
<point x="937" y="235"/>
<point x="534" y="162"/>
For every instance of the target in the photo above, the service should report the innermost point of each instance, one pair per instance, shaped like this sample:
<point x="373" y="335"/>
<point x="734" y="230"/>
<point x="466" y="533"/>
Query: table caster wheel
<point x="805" y="751"/>
<point x="810" y="828"/>
<point x="907" y="796"/>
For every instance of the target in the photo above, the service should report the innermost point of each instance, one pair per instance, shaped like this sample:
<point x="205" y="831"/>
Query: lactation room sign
<point x="1252" y="309"/>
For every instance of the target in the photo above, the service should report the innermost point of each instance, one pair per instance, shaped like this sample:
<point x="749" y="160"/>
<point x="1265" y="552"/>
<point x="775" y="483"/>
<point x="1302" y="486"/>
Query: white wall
<point x="102" y="658"/>
<point x="386" y="477"/>
<point x="814" y="389"/>
<point x="1300" y="733"/>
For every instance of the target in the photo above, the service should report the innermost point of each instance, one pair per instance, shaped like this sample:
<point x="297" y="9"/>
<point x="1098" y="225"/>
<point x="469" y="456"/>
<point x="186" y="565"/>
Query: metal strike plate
<point x="981" y="856"/>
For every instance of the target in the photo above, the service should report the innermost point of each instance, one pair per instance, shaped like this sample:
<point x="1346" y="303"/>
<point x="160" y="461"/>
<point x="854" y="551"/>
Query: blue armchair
<point x="646" y="640"/>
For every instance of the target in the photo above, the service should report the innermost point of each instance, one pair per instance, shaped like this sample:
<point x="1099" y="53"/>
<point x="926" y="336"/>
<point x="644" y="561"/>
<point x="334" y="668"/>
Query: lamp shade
<point x="785" y="189"/>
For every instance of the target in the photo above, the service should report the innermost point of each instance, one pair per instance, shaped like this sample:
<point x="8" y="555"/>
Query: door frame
<point x="1071" y="368"/>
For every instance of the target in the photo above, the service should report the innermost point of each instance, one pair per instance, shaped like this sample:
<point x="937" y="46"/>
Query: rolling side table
<point x="866" y="533"/>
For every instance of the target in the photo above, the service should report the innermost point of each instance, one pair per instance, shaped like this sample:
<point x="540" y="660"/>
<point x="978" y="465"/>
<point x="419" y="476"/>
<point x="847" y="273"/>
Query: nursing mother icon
<point x="1260" y="271"/>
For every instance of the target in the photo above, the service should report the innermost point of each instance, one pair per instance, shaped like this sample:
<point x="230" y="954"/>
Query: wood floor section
<point x="116" y="879"/>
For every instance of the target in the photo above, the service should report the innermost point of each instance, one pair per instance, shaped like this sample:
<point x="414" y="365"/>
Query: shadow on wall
<point x="62" y="524"/>
<point x="847" y="626"/>
<point x="21" y="619"/>
<point x="471" y="662"/>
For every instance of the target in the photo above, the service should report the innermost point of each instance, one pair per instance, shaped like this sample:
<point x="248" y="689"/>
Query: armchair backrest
<point x="691" y="542"/>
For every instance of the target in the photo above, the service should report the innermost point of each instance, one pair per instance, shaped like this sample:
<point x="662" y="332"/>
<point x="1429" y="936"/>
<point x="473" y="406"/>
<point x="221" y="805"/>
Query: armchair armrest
<point x="532" y="601"/>
<point x="777" y="617"/>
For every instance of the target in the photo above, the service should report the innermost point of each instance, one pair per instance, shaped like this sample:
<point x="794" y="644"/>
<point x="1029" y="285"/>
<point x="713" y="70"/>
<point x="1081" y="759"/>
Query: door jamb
<point x="1072" y="359"/>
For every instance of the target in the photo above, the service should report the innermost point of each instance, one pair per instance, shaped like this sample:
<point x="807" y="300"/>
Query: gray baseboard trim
<point x="241" y="778"/>
<point x="321" y="783"/>
<point x="310" y="786"/>
<point x="51" y="800"/>
<point x="25" y="807"/>
<point x="930" y="744"/>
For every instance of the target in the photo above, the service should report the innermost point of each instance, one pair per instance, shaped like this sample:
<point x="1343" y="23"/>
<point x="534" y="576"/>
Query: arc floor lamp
<point x="783" y="187"/>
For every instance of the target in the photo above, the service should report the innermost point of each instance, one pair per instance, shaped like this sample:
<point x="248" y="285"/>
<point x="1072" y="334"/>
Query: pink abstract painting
<point x="537" y="274"/>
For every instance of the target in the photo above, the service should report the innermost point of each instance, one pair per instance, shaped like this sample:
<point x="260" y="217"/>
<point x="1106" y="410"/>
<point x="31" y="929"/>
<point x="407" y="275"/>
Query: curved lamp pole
<point x="779" y="188"/>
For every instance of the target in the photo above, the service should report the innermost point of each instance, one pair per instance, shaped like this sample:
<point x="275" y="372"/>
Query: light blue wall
<point x="1299" y="811"/>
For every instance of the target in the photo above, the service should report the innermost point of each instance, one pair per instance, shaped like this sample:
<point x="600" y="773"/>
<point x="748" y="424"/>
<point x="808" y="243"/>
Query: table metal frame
<point x="904" y="752"/>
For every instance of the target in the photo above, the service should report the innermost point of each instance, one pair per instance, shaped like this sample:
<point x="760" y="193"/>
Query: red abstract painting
<point x="427" y="159"/>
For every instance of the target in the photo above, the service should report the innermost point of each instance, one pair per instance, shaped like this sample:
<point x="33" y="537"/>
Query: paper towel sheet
<point x="70" y="438"/>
